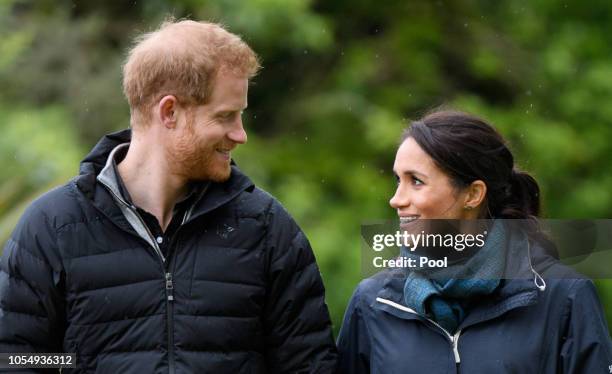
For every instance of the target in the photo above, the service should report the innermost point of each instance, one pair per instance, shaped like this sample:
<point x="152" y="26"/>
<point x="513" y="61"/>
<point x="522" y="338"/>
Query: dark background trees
<point x="341" y="79"/>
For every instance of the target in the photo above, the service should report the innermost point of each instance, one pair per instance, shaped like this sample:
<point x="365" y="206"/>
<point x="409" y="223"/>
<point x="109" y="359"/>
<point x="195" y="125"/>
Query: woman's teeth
<point x="408" y="219"/>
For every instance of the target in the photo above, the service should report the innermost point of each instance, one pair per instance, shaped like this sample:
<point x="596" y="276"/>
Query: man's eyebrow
<point x="231" y="110"/>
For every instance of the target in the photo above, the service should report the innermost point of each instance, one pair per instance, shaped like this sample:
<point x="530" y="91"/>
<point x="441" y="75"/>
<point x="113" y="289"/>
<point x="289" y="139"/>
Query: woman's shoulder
<point x="545" y="261"/>
<point x="384" y="283"/>
<point x="562" y="280"/>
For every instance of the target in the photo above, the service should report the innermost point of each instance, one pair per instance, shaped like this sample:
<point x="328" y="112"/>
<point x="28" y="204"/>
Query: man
<point x="161" y="256"/>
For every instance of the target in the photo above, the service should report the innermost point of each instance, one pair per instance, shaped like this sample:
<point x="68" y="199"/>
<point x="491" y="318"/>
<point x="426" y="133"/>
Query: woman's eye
<point x="416" y="181"/>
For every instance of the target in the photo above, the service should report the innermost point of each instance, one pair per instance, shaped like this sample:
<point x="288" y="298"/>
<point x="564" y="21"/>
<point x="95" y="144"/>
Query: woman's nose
<point x="399" y="199"/>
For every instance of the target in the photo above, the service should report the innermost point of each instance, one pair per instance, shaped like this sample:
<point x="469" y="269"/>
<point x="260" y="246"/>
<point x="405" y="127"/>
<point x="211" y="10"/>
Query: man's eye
<point x="227" y="116"/>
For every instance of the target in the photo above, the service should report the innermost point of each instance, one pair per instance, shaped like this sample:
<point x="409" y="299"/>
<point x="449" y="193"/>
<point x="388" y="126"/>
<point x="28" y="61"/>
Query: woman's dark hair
<point x="469" y="149"/>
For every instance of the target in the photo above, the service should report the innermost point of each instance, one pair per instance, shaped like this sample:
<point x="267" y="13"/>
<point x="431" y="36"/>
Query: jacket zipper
<point x="135" y="212"/>
<point x="169" y="283"/>
<point x="453" y="339"/>
<point x="170" y="310"/>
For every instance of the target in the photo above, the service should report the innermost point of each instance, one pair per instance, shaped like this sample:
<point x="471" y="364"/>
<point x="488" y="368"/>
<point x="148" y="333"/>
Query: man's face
<point x="201" y="148"/>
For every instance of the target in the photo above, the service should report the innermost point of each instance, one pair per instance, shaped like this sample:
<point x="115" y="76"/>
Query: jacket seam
<point x="27" y="251"/>
<point x="87" y="290"/>
<point x="365" y="322"/>
<point x="228" y="282"/>
<point x="117" y="320"/>
<point x="63" y="226"/>
<point x="591" y="321"/>
<point x="32" y="315"/>
<point x="567" y="310"/>
<point x="268" y="219"/>
<point x="70" y="259"/>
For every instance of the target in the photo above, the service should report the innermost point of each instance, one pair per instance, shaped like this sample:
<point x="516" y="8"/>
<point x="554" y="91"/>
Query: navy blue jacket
<point x="239" y="290"/>
<point x="558" y="327"/>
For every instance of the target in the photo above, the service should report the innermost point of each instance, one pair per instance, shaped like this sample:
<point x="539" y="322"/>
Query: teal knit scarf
<point x="442" y="295"/>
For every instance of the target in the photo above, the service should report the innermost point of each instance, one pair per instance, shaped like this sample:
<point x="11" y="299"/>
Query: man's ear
<point x="476" y="193"/>
<point x="167" y="111"/>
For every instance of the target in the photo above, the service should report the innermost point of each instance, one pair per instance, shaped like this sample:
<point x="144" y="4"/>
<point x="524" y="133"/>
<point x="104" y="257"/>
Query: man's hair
<point x="182" y="58"/>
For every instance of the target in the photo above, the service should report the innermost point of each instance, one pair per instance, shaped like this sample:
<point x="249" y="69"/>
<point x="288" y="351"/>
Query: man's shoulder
<point x="56" y="207"/>
<point x="258" y="200"/>
<point x="261" y="205"/>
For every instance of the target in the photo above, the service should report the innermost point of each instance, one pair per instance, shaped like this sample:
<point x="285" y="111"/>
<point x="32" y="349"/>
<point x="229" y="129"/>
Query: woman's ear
<point x="476" y="193"/>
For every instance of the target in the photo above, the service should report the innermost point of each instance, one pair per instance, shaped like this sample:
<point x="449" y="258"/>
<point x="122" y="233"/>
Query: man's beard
<point x="195" y="162"/>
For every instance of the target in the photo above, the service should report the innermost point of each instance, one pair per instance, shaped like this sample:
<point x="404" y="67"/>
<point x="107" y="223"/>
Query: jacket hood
<point x="94" y="162"/>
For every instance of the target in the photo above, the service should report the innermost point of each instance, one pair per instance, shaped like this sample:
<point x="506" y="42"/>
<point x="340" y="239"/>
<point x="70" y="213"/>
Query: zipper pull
<point x="169" y="286"/>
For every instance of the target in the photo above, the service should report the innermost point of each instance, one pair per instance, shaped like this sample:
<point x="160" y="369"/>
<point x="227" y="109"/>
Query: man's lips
<point x="225" y="153"/>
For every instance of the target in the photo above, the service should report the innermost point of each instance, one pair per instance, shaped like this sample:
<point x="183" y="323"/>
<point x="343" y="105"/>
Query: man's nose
<point x="237" y="134"/>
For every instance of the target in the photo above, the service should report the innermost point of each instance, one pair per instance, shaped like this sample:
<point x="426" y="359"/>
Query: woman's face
<point x="424" y="191"/>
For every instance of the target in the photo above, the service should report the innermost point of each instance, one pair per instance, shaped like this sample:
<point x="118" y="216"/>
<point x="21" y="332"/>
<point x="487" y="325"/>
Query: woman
<point x="519" y="312"/>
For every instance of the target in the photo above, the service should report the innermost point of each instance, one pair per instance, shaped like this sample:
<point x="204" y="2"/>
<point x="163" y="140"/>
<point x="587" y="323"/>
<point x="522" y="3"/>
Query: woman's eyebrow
<point x="414" y="172"/>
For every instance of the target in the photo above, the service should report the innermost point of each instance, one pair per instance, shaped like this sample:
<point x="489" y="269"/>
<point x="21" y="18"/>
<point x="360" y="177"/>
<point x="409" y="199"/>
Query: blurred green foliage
<point x="340" y="81"/>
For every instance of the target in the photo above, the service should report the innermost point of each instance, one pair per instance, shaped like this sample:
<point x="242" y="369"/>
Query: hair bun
<point x="524" y="199"/>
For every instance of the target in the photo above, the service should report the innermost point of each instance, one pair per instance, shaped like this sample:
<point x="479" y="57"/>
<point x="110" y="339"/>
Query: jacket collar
<point x="95" y="167"/>
<point x="519" y="289"/>
<point x="108" y="175"/>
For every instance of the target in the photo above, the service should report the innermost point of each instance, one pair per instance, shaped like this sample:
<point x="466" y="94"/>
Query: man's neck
<point x="150" y="185"/>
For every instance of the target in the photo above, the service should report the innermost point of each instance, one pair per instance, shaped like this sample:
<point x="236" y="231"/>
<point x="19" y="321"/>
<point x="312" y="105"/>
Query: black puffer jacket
<point x="239" y="291"/>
